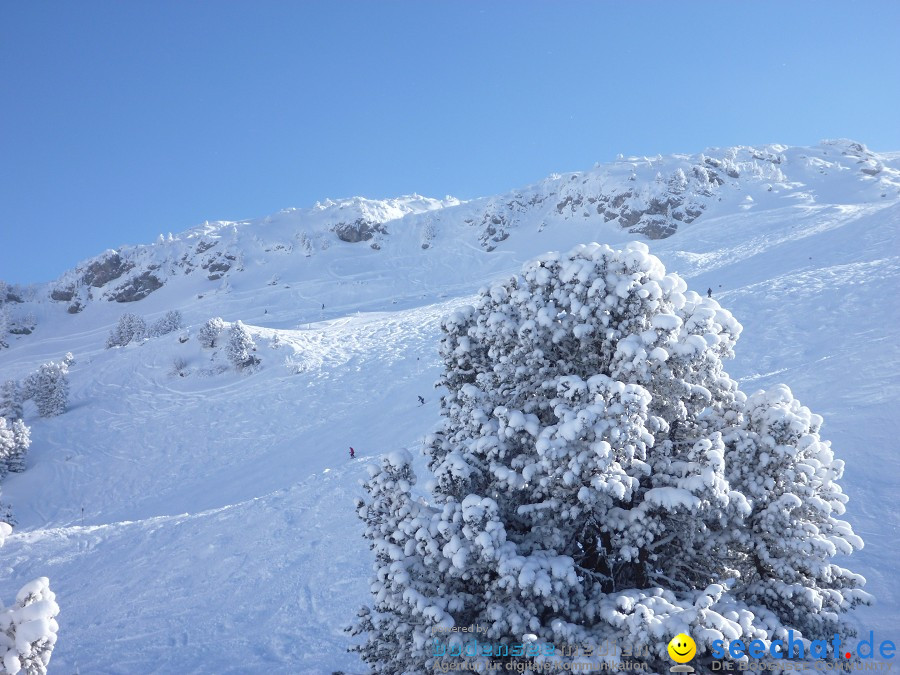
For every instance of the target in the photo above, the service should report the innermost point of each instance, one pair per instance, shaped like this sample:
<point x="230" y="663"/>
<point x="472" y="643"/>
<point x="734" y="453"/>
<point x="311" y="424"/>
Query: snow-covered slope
<point x="205" y="523"/>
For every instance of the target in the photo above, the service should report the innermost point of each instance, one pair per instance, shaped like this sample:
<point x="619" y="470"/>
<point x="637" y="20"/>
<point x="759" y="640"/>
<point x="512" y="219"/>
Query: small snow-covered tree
<point x="28" y="628"/>
<point x="240" y="347"/>
<point x="15" y="439"/>
<point x="21" y="443"/>
<point x="6" y="514"/>
<point x="7" y="446"/>
<point x="170" y="322"/>
<point x="49" y="388"/>
<point x="210" y="331"/>
<point x="10" y="400"/>
<point x="597" y="477"/>
<point x="131" y="327"/>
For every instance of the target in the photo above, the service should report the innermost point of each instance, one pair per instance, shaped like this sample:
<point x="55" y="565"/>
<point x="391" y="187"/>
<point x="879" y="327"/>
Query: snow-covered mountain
<point x="195" y="519"/>
<point x="649" y="197"/>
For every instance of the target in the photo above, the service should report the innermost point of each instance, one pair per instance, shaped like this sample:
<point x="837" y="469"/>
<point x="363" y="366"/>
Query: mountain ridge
<point x="650" y="197"/>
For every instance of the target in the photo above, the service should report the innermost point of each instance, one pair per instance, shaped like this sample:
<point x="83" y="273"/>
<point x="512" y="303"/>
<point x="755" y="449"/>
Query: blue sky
<point x="121" y="120"/>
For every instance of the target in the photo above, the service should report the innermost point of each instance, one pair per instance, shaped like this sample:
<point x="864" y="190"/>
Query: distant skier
<point x="708" y="292"/>
<point x="352" y="452"/>
<point x="421" y="401"/>
<point x="323" y="306"/>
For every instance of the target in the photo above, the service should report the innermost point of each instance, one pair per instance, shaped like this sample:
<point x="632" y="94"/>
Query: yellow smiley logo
<point x="682" y="648"/>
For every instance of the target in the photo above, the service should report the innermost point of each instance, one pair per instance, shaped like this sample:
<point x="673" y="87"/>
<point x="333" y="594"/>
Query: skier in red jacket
<point x="352" y="452"/>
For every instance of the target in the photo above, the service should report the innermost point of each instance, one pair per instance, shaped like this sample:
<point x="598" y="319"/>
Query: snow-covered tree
<point x="7" y="446"/>
<point x="10" y="400"/>
<point x="586" y="485"/>
<point x="210" y="331"/>
<point x="22" y="440"/>
<point x="392" y="519"/>
<point x="6" y="514"/>
<point x="4" y="324"/>
<point x="241" y="347"/>
<point x="28" y="628"/>
<point x="778" y="460"/>
<point x="170" y="322"/>
<point x="131" y="327"/>
<point x="15" y="439"/>
<point x="49" y="388"/>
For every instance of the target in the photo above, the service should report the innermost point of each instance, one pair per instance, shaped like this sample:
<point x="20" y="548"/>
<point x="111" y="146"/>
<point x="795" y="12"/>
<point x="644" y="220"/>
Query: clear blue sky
<point x="121" y="120"/>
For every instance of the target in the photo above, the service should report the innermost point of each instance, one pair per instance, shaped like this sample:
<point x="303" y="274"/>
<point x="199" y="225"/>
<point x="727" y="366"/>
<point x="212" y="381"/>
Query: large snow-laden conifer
<point x="585" y="482"/>
<point x="28" y="628"/>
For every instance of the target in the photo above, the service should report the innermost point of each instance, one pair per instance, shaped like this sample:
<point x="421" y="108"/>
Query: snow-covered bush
<point x="294" y="364"/>
<point x="171" y="322"/>
<point x="49" y="388"/>
<point x="28" y="628"/>
<point x="130" y="328"/>
<point x="209" y="333"/>
<point x="599" y="476"/>
<point x="179" y="366"/>
<point x="241" y="347"/>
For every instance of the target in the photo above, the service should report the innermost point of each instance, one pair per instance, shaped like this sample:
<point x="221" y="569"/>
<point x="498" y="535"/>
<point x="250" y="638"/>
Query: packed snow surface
<point x="196" y="519"/>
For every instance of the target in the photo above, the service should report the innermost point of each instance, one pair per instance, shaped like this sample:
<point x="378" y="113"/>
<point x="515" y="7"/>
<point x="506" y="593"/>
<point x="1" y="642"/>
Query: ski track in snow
<point x="219" y="533"/>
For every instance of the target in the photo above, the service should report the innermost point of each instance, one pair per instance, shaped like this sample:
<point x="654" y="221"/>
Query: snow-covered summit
<point x="339" y="216"/>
